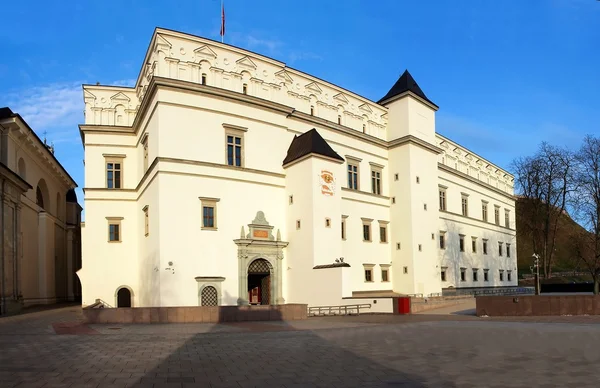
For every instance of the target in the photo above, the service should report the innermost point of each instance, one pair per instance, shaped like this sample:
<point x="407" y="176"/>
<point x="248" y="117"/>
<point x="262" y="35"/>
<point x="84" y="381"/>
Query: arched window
<point x="21" y="169"/>
<point x="39" y="197"/>
<point x="209" y="296"/>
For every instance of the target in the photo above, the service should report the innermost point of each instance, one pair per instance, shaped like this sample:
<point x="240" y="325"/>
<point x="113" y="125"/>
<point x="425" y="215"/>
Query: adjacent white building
<point x="226" y="177"/>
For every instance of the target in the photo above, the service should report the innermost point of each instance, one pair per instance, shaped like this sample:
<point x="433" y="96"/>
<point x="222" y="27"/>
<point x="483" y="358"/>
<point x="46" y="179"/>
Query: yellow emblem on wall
<point x="327" y="182"/>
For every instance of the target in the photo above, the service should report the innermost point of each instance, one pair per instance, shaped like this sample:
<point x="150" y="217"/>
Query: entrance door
<point x="259" y="282"/>
<point x="124" y="298"/>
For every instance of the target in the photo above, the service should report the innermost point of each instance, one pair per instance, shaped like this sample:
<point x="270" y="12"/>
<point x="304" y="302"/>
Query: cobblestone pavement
<point x="368" y="350"/>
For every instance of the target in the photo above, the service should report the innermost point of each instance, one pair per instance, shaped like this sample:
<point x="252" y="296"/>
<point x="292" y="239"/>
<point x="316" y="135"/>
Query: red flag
<point x="222" y="19"/>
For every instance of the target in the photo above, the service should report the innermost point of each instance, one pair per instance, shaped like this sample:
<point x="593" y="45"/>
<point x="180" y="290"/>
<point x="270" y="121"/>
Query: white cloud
<point x="55" y="106"/>
<point x="271" y="45"/>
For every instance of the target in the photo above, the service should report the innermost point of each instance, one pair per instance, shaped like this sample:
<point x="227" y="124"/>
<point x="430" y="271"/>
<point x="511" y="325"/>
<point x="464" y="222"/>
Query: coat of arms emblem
<point x="327" y="182"/>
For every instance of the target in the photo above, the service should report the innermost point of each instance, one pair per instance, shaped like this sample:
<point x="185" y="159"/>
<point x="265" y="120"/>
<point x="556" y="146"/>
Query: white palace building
<point x="225" y="177"/>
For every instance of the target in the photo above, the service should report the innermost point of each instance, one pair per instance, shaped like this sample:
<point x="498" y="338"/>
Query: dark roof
<point x="71" y="196"/>
<point x="309" y="142"/>
<point x="6" y="113"/>
<point x="406" y="83"/>
<point x="334" y="265"/>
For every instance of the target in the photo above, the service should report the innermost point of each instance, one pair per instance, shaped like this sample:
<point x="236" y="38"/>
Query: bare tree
<point x="587" y="206"/>
<point x="544" y="181"/>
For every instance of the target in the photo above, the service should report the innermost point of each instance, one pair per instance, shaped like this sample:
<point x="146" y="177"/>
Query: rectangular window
<point x="443" y="199"/>
<point x="366" y="232"/>
<point x="114" y="174"/>
<point x="509" y="275"/>
<point x="497" y="215"/>
<point x="501" y="275"/>
<point x="383" y="234"/>
<point x="245" y="89"/>
<point x="114" y="232"/>
<point x="484" y="211"/>
<point x="465" y="205"/>
<point x="208" y="217"/>
<point x="376" y="182"/>
<point x="234" y="150"/>
<point x="312" y="110"/>
<point x="499" y="249"/>
<point x="353" y="175"/>
<point x="443" y="274"/>
<point x="474" y="244"/>
<point x="507" y="218"/>
<point x="486" y="276"/>
<point x="368" y="275"/>
<point x="209" y="213"/>
<point x="475" y="273"/>
<point x="145" y="145"/>
<point x="114" y="229"/>
<point x="461" y="243"/>
<point x="507" y="250"/>
<point x="463" y="274"/>
<point x="485" y="244"/>
<point x="327" y="222"/>
<point x="203" y="78"/>
<point x="384" y="275"/>
<point x="442" y="240"/>
<point x="344" y="227"/>
<point x="146" y="221"/>
<point x="298" y="224"/>
<point x="405" y="270"/>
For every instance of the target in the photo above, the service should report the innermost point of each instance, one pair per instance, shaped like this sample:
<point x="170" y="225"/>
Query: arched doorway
<point x="259" y="282"/>
<point x="124" y="297"/>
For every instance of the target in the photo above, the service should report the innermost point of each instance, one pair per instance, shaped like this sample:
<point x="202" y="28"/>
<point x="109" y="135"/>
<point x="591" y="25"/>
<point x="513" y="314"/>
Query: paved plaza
<point x="54" y="349"/>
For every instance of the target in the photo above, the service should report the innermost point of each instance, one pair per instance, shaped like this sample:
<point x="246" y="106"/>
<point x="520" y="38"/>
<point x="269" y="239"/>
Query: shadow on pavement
<point x="284" y="357"/>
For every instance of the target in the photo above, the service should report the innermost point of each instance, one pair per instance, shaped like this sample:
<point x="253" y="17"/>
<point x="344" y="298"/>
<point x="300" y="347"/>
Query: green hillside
<point x="564" y="260"/>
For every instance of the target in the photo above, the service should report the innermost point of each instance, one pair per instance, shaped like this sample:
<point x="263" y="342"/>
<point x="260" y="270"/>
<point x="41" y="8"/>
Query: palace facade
<point x="225" y="177"/>
<point x="40" y="221"/>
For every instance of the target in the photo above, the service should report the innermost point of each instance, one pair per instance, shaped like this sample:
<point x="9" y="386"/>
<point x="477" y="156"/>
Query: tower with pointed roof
<point x="413" y="156"/>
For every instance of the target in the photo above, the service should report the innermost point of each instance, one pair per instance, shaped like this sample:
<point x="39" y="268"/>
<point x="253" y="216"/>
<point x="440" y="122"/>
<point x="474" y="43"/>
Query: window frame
<point x="485" y="246"/>
<point x="146" y="221"/>
<point x="507" y="218"/>
<point x="115" y="221"/>
<point x="484" y="211"/>
<point x="383" y="226"/>
<point x="235" y="131"/>
<point x="367" y="222"/>
<point x="114" y="159"/>
<point x="475" y="274"/>
<point x="473" y="244"/>
<point x="444" y="274"/>
<point x="344" y="228"/>
<point x="509" y="275"/>
<point x="353" y="162"/>
<point x="500" y="248"/>
<point x="368" y="268"/>
<point x="461" y="243"/>
<point x="385" y="268"/>
<point x="376" y="179"/>
<point x="497" y="215"/>
<point x="442" y="240"/>
<point x="442" y="198"/>
<point x="464" y="204"/>
<point x="208" y="202"/>
<point x="463" y="274"/>
<point x="508" y="250"/>
<point x="486" y="275"/>
<point x="501" y="274"/>
<point x="145" y="152"/>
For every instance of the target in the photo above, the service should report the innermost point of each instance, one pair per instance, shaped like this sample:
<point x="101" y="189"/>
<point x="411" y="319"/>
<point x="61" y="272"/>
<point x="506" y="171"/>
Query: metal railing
<point x="99" y="304"/>
<point x="490" y="291"/>
<point x="350" y="309"/>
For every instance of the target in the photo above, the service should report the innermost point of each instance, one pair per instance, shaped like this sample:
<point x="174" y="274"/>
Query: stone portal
<point x="260" y="256"/>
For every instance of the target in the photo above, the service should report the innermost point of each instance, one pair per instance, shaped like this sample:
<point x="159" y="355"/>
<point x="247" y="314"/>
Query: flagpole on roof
<point x="222" y="21"/>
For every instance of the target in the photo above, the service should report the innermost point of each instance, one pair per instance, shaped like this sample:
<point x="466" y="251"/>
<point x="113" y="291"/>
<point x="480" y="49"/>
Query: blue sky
<point x="506" y="74"/>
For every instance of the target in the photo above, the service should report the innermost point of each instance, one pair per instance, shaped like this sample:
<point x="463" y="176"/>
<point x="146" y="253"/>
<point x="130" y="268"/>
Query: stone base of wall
<point x="418" y="305"/>
<point x="537" y="305"/>
<point x="195" y="314"/>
